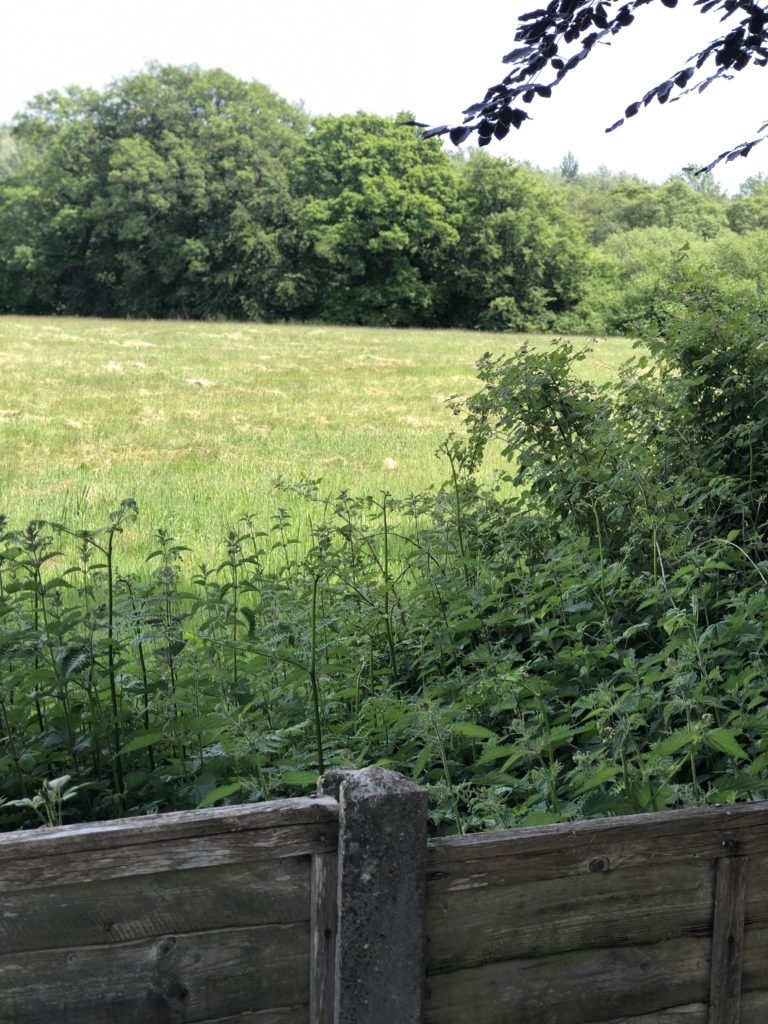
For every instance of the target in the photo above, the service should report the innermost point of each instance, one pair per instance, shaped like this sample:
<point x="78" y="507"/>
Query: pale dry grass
<point x="196" y="420"/>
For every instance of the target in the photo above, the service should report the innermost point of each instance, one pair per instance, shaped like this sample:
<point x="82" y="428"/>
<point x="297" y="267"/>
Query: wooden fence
<point x="336" y="910"/>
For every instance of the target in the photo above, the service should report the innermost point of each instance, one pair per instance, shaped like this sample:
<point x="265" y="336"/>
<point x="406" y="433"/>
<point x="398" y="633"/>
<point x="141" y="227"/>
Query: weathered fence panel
<point x="637" y="920"/>
<point x="197" y="916"/>
<point x="336" y="910"/>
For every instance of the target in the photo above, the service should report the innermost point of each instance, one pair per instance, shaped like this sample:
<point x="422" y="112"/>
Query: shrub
<point x="587" y="636"/>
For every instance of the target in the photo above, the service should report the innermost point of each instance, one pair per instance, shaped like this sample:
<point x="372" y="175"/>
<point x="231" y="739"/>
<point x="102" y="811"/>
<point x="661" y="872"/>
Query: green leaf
<point x="219" y="793"/>
<point x="604" y="774"/>
<point x="673" y="742"/>
<point x="495" y="753"/>
<point x="299" y="778"/>
<point x="726" y="742"/>
<point x="540" y="818"/>
<point x="250" y="618"/>
<point x="141" y="742"/>
<point x="559" y="735"/>
<point x="474" y="731"/>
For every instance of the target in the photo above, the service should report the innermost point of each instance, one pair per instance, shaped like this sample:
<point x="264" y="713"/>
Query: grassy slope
<point x="195" y="420"/>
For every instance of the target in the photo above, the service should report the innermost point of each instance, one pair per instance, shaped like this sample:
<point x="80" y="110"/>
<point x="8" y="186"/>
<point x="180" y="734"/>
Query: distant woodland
<point x="183" y="193"/>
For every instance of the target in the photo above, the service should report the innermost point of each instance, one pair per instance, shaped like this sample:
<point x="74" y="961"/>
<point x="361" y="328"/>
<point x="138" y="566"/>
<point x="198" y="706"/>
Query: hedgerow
<point x="585" y="637"/>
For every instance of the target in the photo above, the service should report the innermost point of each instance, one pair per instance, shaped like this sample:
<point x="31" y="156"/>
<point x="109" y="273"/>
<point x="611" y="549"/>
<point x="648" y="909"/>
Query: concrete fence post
<point x="379" y="972"/>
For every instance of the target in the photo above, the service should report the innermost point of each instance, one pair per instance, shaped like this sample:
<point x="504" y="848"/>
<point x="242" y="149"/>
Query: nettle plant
<point x="586" y="636"/>
<point x="636" y="540"/>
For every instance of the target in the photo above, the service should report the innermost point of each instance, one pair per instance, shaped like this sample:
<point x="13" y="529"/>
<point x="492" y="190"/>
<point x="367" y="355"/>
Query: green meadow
<point x="197" y="420"/>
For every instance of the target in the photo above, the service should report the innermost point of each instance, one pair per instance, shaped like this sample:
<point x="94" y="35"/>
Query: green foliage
<point x="523" y="258"/>
<point x="376" y="223"/>
<point x="613" y="203"/>
<point x="749" y="210"/>
<point x="163" y="196"/>
<point x="633" y="267"/>
<point x="184" y="193"/>
<point x="586" y="637"/>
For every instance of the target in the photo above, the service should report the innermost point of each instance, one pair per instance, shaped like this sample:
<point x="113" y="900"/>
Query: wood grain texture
<point x="323" y="927"/>
<point x="111" y="911"/>
<point x="727" y="940"/>
<point x="754" y="1006"/>
<point x="693" y="1013"/>
<point x="173" y="980"/>
<point x="147" y="828"/>
<point x="754" y="977"/>
<point x="637" y="905"/>
<point x="183" y="840"/>
<point x="282" y="1015"/>
<point x="756" y="912"/>
<point x="754" y="1010"/>
<point x="583" y="847"/>
<point x="592" y="985"/>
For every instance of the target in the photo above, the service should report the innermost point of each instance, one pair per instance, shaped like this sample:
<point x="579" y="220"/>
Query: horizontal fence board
<point x="146" y="845"/>
<point x="147" y="828"/>
<point x="755" y="961"/>
<point x="179" y="979"/>
<point x="282" y="1015"/>
<point x="140" y="906"/>
<point x="754" y="1007"/>
<point x="693" y="1013"/>
<point x="630" y="907"/>
<point x="583" y="847"/>
<point x="573" y="988"/>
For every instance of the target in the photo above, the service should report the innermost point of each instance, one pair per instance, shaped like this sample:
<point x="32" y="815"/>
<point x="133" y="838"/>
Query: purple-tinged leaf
<point x="432" y="132"/>
<point x="459" y="135"/>
<point x="513" y="55"/>
<point x="682" y="79"/>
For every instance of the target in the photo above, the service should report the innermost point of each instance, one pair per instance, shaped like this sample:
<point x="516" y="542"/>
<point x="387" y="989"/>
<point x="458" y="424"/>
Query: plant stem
<point x="313" y="677"/>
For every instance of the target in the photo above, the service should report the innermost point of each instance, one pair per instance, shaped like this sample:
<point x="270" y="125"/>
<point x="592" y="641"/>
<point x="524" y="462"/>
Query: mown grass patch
<point x="196" y="420"/>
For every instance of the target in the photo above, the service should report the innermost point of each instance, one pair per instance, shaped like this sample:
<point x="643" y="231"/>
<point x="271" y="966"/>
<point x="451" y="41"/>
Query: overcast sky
<point x="432" y="57"/>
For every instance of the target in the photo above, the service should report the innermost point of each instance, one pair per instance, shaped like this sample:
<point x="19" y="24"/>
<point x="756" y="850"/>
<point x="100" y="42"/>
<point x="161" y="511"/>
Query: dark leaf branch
<point x="558" y="38"/>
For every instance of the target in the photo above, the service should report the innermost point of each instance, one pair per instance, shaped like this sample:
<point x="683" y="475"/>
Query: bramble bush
<point x="585" y="637"/>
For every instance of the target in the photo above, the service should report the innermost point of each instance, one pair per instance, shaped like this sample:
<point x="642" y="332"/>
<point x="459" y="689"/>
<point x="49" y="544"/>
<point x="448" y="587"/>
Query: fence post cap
<point x="365" y="783"/>
<point x="377" y="781"/>
<point x="329" y="784"/>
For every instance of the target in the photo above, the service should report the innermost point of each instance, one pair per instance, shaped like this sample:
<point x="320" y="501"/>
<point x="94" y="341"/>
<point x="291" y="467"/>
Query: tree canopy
<point x="162" y="196"/>
<point x="178" y="192"/>
<point x="554" y="40"/>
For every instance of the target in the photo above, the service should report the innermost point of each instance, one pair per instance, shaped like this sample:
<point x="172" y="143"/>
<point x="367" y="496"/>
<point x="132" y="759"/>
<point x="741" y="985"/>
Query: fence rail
<point x="337" y="910"/>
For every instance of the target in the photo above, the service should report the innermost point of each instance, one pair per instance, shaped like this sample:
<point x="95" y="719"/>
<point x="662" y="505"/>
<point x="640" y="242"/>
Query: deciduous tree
<point x="377" y="225"/>
<point x="165" y="195"/>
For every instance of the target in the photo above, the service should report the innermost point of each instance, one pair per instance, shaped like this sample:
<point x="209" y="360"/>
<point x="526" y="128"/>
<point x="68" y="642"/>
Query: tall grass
<point x="196" y="420"/>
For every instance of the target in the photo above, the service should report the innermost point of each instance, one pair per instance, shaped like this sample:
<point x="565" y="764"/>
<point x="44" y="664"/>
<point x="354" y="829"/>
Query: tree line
<point x="185" y="193"/>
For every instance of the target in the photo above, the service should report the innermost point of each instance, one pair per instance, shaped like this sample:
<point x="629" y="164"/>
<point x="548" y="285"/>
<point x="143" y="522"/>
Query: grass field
<point x="195" y="420"/>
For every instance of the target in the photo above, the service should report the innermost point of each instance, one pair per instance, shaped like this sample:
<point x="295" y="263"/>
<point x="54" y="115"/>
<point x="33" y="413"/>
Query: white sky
<point x="433" y="57"/>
